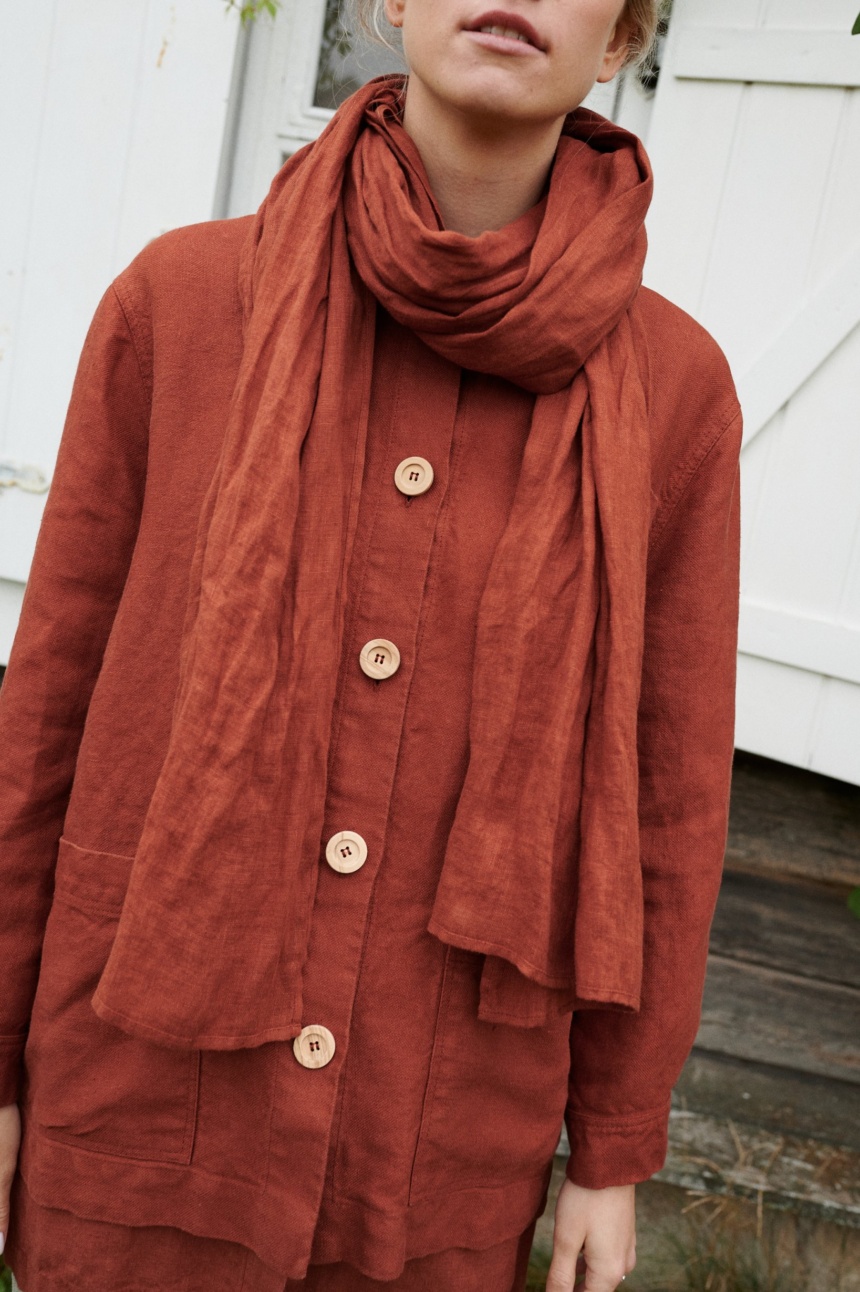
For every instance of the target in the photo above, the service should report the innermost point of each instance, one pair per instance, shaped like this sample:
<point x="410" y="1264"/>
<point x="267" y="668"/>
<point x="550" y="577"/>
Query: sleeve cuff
<point x="606" y="1150"/>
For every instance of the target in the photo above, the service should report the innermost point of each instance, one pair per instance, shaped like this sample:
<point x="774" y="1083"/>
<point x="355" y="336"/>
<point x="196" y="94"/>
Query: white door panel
<point x="760" y="242"/>
<point x="112" y="122"/>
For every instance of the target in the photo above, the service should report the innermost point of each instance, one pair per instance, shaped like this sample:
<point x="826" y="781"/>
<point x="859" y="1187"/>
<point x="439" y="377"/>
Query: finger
<point x="605" y="1277"/>
<point x="10" y="1138"/>
<point x="567" y="1263"/>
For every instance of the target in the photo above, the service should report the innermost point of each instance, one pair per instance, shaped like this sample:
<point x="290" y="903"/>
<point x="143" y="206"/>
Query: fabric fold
<point x="541" y="871"/>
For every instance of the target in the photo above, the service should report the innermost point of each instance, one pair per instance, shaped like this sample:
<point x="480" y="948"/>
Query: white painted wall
<point x="112" y="121"/>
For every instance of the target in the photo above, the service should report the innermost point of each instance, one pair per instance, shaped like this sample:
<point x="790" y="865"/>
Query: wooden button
<point x="379" y="658"/>
<point x="346" y="852"/>
<point x="413" y="476"/>
<point x="314" y="1046"/>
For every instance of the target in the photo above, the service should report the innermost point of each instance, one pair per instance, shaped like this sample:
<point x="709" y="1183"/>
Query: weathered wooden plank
<point x="804" y="928"/>
<point x="728" y="1157"/>
<point x="787" y="821"/>
<point x="724" y="1156"/>
<point x="773" y="1098"/>
<point x="781" y="1018"/>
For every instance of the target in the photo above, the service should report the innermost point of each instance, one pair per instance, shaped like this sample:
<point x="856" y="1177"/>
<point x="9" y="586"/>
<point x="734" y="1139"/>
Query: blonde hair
<point x="643" y="15"/>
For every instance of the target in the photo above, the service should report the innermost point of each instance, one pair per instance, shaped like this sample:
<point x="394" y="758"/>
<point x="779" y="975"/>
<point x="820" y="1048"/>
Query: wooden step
<point x="778" y="1099"/>
<point x="803" y="928"/>
<point x="783" y="980"/>
<point x="721" y="1155"/>
<point x="777" y="1017"/>
<point x="791" y="822"/>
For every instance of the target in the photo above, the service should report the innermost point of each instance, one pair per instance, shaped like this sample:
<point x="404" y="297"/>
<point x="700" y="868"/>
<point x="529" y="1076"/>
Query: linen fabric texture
<point x="542" y="864"/>
<point x="63" y="1253"/>
<point x="431" y="1128"/>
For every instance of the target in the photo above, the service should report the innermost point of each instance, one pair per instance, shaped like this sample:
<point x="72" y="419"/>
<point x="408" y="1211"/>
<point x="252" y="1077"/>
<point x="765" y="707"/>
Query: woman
<point x="366" y="740"/>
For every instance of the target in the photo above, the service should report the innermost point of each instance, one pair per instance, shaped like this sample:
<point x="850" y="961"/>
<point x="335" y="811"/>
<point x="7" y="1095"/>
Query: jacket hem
<point x="121" y="1191"/>
<point x="379" y="1244"/>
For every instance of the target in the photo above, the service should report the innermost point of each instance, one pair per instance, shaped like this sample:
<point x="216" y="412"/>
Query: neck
<point x="481" y="177"/>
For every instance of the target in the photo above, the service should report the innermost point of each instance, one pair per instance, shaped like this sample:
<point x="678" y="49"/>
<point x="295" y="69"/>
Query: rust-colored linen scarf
<point x="541" y="871"/>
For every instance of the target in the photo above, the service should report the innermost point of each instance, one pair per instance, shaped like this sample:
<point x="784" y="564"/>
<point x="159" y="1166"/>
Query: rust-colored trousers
<point x="43" y="1242"/>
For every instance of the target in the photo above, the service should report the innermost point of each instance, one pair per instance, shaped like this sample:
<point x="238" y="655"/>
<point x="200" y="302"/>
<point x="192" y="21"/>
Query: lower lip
<point x="503" y="44"/>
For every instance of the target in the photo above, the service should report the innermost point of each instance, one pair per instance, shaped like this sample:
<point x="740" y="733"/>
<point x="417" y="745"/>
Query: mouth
<point x="506" y="30"/>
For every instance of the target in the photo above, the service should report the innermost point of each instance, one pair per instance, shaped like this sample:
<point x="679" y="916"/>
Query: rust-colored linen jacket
<point x="428" y="1128"/>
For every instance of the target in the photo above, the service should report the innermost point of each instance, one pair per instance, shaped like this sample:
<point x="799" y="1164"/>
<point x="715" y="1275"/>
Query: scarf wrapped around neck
<point x="541" y="871"/>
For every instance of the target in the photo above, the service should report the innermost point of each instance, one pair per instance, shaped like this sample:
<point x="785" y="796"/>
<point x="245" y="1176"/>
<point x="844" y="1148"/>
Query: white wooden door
<point x="755" y="230"/>
<point x="299" y="66"/>
<point x="112" y="123"/>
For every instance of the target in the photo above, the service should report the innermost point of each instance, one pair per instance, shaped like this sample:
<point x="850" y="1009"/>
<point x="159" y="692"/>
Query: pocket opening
<point x="89" y="1084"/>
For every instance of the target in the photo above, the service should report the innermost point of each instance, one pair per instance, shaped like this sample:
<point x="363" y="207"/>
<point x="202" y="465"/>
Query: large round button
<point x="413" y="476"/>
<point x="379" y="658"/>
<point x="346" y="852"/>
<point x="314" y="1046"/>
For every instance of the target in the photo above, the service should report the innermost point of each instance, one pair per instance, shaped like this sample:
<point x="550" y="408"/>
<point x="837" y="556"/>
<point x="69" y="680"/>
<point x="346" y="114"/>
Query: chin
<point x="492" y="99"/>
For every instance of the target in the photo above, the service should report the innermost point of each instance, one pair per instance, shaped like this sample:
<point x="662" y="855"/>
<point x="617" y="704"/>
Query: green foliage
<point x="855" y="30"/>
<point x="250" y="9"/>
<point x="5" y="1277"/>
<point x="335" y="46"/>
<point x="854" y="895"/>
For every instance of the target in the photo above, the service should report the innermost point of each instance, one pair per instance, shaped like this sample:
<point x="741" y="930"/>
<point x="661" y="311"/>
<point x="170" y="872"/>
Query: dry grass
<point x="702" y="1255"/>
<point x="713" y="1244"/>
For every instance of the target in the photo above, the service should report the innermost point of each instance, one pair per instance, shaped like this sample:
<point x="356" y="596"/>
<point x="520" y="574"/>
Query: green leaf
<point x="854" y="902"/>
<point x="251" y="9"/>
<point x="855" y="30"/>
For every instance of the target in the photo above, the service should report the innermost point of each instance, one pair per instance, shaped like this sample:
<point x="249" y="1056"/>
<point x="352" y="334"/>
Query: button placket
<point x="389" y="585"/>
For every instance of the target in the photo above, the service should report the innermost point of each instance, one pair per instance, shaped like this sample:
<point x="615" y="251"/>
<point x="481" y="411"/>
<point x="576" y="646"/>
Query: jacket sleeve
<point x="81" y="560"/>
<point x="624" y="1065"/>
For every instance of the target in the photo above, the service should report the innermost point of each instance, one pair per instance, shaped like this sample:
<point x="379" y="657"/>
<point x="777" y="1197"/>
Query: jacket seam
<point x="130" y="318"/>
<point x="687" y="473"/>
<point x="616" y="1121"/>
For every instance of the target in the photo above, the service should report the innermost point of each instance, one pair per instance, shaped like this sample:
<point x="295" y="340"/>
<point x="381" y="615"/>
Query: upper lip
<point x="515" y="21"/>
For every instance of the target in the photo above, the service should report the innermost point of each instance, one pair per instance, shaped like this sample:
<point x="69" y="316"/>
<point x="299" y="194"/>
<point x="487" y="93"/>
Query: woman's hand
<point x="10" y="1140"/>
<point x="602" y="1224"/>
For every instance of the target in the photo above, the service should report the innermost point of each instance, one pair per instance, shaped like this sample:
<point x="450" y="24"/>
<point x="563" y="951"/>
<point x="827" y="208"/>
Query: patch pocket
<point x="496" y="1094"/>
<point x="89" y="1083"/>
